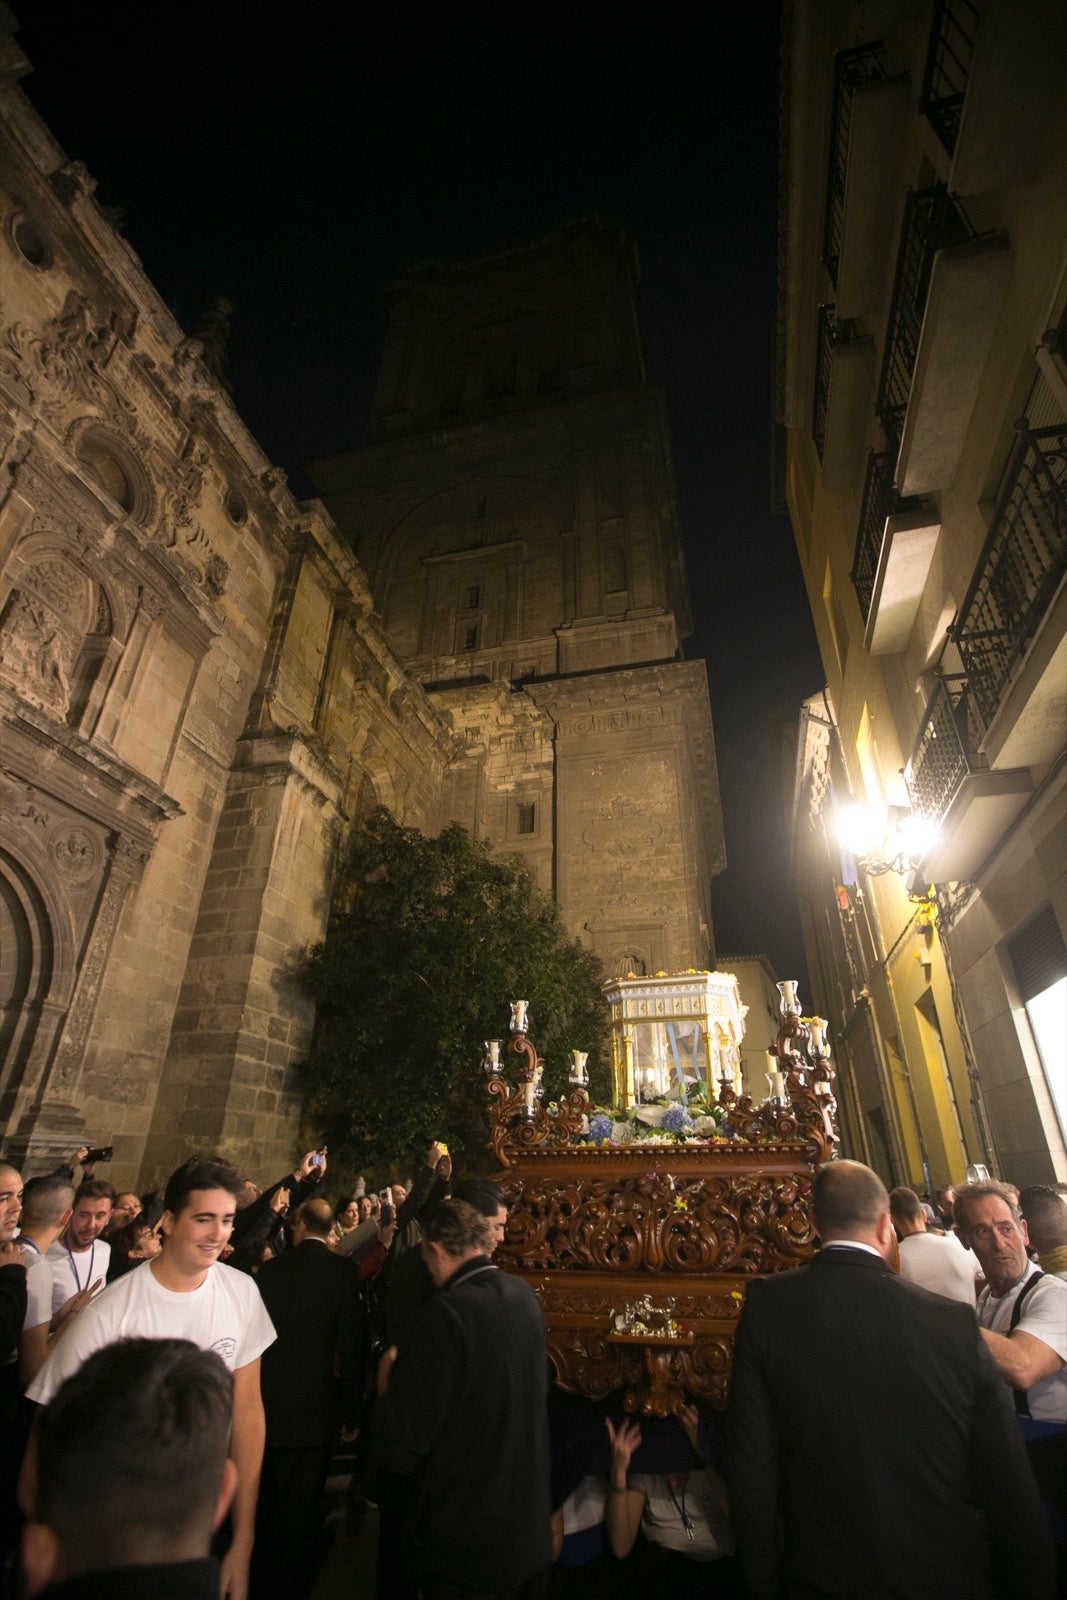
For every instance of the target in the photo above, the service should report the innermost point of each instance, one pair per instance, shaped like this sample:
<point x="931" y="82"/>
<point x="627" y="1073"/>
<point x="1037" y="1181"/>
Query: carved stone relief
<point x="63" y="365"/>
<point x="42" y="629"/>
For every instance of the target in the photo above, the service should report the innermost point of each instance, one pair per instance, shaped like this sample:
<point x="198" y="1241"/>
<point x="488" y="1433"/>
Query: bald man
<point x="312" y="1296"/>
<point x="873" y="1449"/>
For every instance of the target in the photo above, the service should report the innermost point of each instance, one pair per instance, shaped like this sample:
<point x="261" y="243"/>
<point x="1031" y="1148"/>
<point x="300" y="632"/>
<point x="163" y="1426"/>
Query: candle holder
<point x="519" y="1119"/>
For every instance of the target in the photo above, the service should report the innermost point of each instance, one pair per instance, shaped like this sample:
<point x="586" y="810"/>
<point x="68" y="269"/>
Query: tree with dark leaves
<point x="434" y="939"/>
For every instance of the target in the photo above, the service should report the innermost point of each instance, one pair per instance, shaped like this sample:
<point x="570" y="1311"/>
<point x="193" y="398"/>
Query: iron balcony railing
<point x="932" y="222"/>
<point x="880" y="500"/>
<point x="943" y="756"/>
<point x="831" y="334"/>
<point x="851" y="69"/>
<point x="953" y="31"/>
<point x="1020" y="569"/>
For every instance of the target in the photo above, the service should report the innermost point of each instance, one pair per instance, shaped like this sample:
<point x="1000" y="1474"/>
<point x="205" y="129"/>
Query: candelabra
<point x="518" y="1117"/>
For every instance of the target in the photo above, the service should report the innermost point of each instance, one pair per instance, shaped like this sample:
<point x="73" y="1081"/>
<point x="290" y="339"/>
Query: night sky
<point x="298" y="163"/>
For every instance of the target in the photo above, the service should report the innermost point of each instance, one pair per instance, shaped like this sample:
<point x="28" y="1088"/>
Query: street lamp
<point x="899" y="844"/>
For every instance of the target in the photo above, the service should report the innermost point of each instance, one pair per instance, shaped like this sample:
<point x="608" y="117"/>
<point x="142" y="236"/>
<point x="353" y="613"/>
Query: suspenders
<point x="1022" y="1405"/>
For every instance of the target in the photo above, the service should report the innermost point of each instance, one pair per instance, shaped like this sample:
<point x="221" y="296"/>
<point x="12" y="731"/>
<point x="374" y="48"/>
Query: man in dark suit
<point x="311" y="1389"/>
<point x="465" y="1416"/>
<point x="872" y="1453"/>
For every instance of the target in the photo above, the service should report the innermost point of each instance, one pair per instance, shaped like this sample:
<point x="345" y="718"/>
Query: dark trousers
<point x="288" y="1531"/>
<point x="535" y="1588"/>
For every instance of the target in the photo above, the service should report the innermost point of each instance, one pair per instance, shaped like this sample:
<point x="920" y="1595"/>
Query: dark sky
<point x="296" y="160"/>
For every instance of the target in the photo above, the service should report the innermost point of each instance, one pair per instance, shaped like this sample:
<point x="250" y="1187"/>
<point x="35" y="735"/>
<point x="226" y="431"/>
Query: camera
<point x="103" y="1153"/>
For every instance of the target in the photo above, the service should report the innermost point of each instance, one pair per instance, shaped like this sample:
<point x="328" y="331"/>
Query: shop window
<point x="1039" y="957"/>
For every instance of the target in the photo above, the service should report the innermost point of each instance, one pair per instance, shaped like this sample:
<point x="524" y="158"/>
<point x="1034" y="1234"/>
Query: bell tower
<point x="513" y="506"/>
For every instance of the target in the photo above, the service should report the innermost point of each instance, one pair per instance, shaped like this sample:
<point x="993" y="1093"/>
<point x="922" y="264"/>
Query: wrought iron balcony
<point x="943" y="756"/>
<point x="953" y="31"/>
<point x="950" y="785"/>
<point x="1020" y="569"/>
<point x="932" y="221"/>
<point x="831" y="334"/>
<point x="880" y="501"/>
<point x="851" y="69"/>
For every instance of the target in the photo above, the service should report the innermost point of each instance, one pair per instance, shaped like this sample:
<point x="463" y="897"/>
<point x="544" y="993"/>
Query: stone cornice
<point x="55" y="758"/>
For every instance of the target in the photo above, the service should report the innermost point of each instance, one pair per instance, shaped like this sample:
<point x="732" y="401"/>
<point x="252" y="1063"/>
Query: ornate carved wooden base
<point x="593" y="1229"/>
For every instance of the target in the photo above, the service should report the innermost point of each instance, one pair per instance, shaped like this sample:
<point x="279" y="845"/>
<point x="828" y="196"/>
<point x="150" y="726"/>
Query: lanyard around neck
<point x="73" y="1268"/>
<point x="687" y="1522"/>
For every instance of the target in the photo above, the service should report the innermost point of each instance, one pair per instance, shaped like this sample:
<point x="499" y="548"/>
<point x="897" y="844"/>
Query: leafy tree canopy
<point x="417" y="972"/>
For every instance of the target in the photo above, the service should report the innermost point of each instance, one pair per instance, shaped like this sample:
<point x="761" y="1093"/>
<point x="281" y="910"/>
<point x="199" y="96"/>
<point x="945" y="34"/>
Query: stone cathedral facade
<point x="203" y="681"/>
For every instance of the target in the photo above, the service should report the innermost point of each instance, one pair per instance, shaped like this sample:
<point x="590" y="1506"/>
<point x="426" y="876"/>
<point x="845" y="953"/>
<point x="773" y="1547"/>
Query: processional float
<point x="639" y="1225"/>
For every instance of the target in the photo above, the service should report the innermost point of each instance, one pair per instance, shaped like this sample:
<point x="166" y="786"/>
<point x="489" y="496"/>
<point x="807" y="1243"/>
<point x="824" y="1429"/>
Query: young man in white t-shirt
<point x="185" y="1293"/>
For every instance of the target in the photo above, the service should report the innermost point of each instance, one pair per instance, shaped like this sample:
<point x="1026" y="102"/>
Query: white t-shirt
<point x="941" y="1263"/>
<point x="661" y="1520"/>
<point x="75" y="1269"/>
<point x="38" y="1286"/>
<point x="225" y="1314"/>
<point x="1044" y="1315"/>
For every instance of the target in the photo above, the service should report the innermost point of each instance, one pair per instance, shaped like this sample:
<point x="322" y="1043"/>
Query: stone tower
<point x="514" y="509"/>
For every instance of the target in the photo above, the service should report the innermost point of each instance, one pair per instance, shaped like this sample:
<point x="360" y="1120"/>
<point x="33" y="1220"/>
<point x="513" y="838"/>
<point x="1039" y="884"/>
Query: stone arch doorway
<point x="27" y="963"/>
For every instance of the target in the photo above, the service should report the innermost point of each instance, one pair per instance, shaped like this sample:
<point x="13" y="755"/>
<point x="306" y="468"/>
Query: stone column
<point x="229" y="1085"/>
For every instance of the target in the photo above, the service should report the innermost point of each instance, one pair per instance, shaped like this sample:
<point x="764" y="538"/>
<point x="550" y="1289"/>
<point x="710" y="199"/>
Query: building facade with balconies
<point x="922" y="409"/>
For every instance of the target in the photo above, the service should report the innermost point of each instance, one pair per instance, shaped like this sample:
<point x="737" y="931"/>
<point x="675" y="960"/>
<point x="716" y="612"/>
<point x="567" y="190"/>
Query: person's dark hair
<point x="94" y="1189"/>
<point x="129" y="1236"/>
<point x="130" y="1454"/>
<point x="986" y="1189"/>
<point x="905" y="1203"/>
<point x="1043" y="1207"/>
<point x="481" y="1193"/>
<point x="457" y="1227"/>
<point x="343" y="1204"/>
<point x="44" y="1201"/>
<point x="200" y="1172"/>
<point x="250" y="1256"/>
<point x="847" y="1196"/>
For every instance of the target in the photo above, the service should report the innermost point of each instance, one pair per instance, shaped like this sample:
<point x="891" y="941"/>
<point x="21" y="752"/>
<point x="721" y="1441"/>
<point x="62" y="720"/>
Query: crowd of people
<point x="180" y="1368"/>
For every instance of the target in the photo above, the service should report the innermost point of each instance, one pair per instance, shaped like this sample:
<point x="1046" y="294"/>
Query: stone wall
<point x="195" y="698"/>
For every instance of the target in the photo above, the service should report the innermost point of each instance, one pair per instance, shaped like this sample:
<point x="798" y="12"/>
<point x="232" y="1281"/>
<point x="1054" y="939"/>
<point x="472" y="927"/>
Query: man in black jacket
<point x="310" y="1380"/>
<point x="465" y="1415"/>
<point x="873" y="1450"/>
